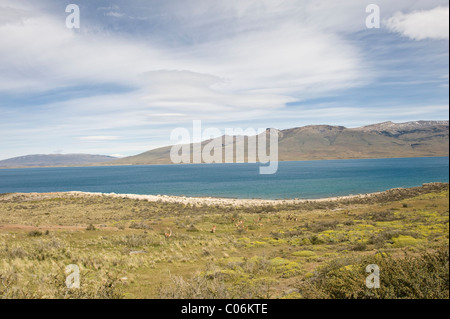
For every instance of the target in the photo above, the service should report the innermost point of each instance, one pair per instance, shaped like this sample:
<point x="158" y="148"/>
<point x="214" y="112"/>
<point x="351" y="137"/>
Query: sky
<point x="135" y="70"/>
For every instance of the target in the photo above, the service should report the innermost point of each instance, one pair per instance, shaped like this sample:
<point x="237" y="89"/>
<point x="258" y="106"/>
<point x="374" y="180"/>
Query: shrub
<point x="192" y="228"/>
<point x="139" y="226"/>
<point x="35" y="233"/>
<point x="387" y="236"/>
<point x="304" y="253"/>
<point x="315" y="240"/>
<point x="404" y="241"/>
<point x="412" y="277"/>
<point x="384" y="216"/>
<point x="213" y="286"/>
<point x="134" y="241"/>
<point x="359" y="247"/>
<point x="320" y="226"/>
<point x="278" y="261"/>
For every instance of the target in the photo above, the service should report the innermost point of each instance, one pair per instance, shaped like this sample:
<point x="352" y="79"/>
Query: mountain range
<point x="314" y="142"/>
<point x="324" y="142"/>
<point x="44" y="160"/>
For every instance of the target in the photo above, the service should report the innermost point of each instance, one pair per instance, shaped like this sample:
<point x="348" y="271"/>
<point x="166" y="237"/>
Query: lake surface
<point x="302" y="179"/>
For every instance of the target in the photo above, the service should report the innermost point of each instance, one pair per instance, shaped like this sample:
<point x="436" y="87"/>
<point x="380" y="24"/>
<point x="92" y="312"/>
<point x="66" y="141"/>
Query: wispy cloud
<point x="114" y="14"/>
<point x="98" y="138"/>
<point x="421" y="25"/>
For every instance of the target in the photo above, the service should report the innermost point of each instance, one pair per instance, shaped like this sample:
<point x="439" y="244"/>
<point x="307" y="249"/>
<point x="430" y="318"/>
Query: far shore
<point x="112" y="164"/>
<point x="213" y="201"/>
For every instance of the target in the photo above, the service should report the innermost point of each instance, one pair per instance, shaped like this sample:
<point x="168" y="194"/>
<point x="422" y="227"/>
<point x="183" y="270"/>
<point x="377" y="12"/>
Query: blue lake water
<point x="302" y="179"/>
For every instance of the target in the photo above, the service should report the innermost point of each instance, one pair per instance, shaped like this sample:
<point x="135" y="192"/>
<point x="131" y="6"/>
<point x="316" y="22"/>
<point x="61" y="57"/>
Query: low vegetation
<point x="129" y="248"/>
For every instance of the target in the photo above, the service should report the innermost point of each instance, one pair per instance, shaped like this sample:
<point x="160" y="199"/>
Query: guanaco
<point x="169" y="233"/>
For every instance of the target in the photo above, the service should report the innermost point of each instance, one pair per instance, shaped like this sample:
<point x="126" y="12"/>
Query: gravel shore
<point x="211" y="201"/>
<point x="392" y="194"/>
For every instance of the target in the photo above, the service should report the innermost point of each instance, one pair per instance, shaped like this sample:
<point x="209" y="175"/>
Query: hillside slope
<point x="318" y="142"/>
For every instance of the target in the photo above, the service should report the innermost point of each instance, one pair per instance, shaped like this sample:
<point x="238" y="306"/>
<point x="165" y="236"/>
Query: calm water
<point x="305" y="179"/>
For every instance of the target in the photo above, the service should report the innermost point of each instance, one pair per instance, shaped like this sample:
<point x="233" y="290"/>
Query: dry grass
<point x="254" y="252"/>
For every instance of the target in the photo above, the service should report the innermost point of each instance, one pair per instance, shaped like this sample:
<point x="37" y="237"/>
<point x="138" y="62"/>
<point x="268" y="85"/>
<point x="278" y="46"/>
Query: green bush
<point x="412" y="277"/>
<point x="406" y="241"/>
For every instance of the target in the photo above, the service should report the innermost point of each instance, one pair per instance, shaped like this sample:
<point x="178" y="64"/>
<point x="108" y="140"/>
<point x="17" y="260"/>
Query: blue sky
<point x="136" y="70"/>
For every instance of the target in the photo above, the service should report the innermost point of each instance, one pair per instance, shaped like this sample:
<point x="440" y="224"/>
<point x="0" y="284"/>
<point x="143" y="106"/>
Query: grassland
<point x="313" y="249"/>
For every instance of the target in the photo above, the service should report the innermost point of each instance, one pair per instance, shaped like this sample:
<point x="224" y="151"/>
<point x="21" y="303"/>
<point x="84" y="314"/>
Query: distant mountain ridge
<point x="55" y="160"/>
<point x="322" y="142"/>
<point x="312" y="142"/>
<point x="403" y="127"/>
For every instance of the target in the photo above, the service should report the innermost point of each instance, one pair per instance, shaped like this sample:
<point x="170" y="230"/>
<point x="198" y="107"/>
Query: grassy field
<point x="129" y="248"/>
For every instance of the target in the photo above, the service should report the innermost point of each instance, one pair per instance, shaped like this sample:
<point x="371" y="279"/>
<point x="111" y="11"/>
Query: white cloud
<point x="109" y="8"/>
<point x="9" y="15"/>
<point x="114" y="14"/>
<point x="262" y="67"/>
<point x="98" y="138"/>
<point x="420" y="25"/>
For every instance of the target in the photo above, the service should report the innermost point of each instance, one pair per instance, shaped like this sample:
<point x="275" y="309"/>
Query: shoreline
<point x="234" y="202"/>
<point x="211" y="201"/>
<point x="108" y="164"/>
